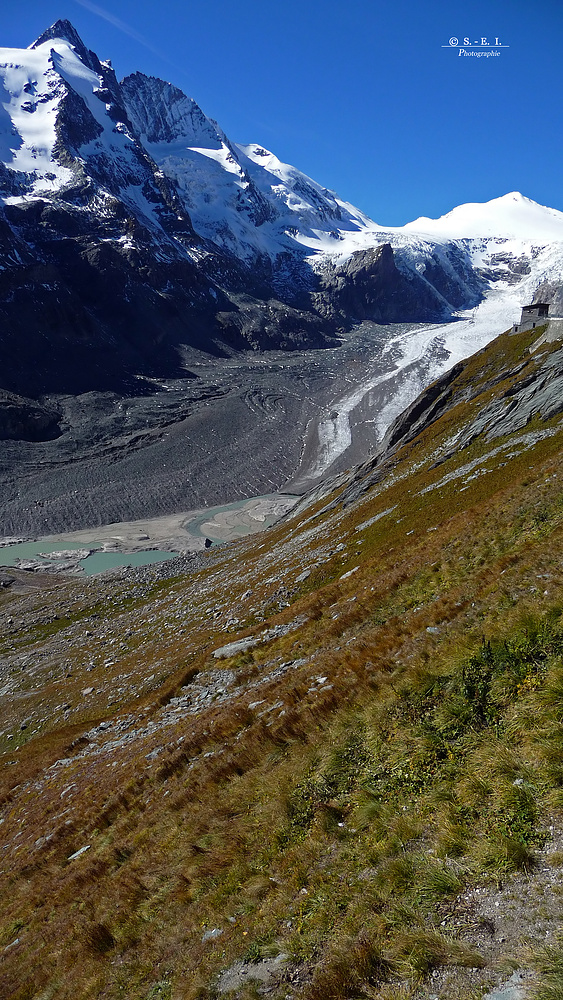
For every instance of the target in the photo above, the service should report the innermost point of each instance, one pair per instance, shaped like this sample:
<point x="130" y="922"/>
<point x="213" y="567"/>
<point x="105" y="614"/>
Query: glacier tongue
<point x="409" y="361"/>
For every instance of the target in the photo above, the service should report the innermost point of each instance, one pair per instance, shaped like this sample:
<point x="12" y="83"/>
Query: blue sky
<point x="360" y="94"/>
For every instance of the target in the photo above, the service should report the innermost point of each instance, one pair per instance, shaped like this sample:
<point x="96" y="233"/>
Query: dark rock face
<point x="382" y="285"/>
<point x="75" y="126"/>
<point x="552" y="292"/>
<point x="161" y="112"/>
<point x="369" y="285"/>
<point x="94" y="310"/>
<point x="272" y="324"/>
<point x="64" y="29"/>
<point x="102" y="299"/>
<point x="25" y="420"/>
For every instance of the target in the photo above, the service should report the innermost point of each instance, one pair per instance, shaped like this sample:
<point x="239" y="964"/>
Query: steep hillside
<point x="327" y="761"/>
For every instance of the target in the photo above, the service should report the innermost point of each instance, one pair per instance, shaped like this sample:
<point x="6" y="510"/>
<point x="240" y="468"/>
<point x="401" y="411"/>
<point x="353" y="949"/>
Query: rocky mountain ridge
<point x="132" y="231"/>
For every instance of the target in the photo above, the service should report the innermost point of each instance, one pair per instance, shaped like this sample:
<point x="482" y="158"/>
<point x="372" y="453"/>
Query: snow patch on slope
<point x="30" y="91"/>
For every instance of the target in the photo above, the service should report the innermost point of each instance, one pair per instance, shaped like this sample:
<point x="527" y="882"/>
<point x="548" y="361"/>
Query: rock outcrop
<point x="369" y="285"/>
<point x="26" y="420"/>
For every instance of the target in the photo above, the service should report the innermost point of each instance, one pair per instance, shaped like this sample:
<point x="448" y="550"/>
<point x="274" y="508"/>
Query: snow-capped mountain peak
<point x="62" y="121"/>
<point x="511" y="216"/>
<point x="240" y="196"/>
<point x="61" y="30"/>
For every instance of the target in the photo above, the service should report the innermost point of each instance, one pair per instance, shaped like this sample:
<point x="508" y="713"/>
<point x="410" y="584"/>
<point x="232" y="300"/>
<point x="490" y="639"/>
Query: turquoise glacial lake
<point x="92" y="564"/>
<point x="100" y="561"/>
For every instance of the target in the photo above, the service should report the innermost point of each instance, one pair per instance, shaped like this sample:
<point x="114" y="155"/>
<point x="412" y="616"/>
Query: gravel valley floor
<point x="248" y="425"/>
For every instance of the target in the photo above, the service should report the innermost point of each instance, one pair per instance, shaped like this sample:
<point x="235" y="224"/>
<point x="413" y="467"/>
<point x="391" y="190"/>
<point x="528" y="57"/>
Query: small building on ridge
<point x="534" y="315"/>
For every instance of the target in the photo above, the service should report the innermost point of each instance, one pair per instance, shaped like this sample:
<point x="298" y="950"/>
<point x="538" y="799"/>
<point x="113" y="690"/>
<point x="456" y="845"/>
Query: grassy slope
<point x="332" y="792"/>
